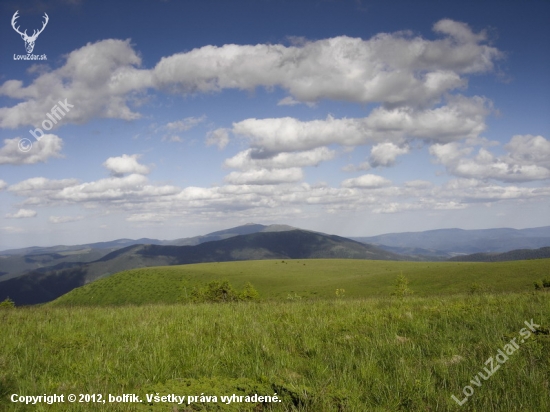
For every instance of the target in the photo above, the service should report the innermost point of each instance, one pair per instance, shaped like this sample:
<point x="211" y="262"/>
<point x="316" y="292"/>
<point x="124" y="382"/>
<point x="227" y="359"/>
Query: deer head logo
<point x="29" y="40"/>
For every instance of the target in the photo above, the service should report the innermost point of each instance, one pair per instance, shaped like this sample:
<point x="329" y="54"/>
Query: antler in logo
<point x="29" y="40"/>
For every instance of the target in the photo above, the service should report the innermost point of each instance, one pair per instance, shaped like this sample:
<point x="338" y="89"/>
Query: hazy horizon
<point x="251" y="223"/>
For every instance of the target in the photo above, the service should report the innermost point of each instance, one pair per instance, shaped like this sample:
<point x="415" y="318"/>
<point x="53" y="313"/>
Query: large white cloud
<point x="40" y="184"/>
<point x="396" y="69"/>
<point x="529" y="150"/>
<point x="125" y="188"/>
<point x="114" y="191"/>
<point x="461" y="118"/>
<point x="19" y="151"/>
<point x="96" y="79"/>
<point x="528" y="159"/>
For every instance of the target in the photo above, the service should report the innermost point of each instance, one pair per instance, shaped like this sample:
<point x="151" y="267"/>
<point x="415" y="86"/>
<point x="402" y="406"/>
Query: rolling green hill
<point x="309" y="278"/>
<point x="289" y="244"/>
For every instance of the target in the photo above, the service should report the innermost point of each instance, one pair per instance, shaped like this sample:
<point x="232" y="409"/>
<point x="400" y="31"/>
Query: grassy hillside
<point x="342" y="355"/>
<point x="316" y="278"/>
<point x="273" y="244"/>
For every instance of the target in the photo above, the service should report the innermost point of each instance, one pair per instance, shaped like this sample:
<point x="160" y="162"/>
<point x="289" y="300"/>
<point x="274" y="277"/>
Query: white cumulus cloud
<point x="367" y="181"/>
<point x="125" y="164"/>
<point x="21" y="214"/>
<point x="528" y="159"/>
<point x="392" y="68"/>
<point x="529" y="150"/>
<point x="384" y="154"/>
<point x="96" y="79"/>
<point x="395" y="69"/>
<point x="40" y="184"/>
<point x="16" y="151"/>
<point x="462" y="118"/>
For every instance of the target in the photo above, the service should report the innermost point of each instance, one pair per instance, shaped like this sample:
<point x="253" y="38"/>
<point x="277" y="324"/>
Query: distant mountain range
<point x="447" y="243"/>
<point x="519" y="254"/>
<point x="16" y="262"/>
<point x="40" y="274"/>
<point x="120" y="243"/>
<point x="49" y="282"/>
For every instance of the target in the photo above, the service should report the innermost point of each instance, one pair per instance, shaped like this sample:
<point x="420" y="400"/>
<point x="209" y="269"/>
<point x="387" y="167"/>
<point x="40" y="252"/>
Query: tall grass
<point x="378" y="354"/>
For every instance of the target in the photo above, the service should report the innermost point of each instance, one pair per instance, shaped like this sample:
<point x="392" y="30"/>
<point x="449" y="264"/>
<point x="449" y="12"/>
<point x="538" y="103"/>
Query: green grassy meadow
<point x="365" y="351"/>
<point x="316" y="278"/>
<point x="377" y="354"/>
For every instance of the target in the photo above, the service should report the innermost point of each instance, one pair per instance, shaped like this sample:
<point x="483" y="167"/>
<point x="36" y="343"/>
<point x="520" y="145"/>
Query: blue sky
<point x="348" y="117"/>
